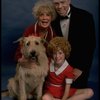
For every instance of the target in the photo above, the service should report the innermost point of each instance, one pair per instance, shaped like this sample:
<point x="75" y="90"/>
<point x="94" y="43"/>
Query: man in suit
<point x="77" y="26"/>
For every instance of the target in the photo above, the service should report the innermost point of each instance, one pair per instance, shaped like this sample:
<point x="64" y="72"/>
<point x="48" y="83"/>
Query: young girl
<point x="60" y="76"/>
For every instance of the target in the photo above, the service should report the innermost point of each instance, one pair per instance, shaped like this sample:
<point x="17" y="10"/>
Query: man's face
<point x="61" y="6"/>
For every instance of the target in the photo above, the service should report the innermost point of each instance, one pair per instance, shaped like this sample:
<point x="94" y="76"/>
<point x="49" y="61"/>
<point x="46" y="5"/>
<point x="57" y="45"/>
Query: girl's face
<point x="44" y="19"/>
<point x="59" y="57"/>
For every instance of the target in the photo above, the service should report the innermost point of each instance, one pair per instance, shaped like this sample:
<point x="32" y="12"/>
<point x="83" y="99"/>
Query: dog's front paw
<point x="22" y="98"/>
<point x="30" y="96"/>
<point x="39" y="98"/>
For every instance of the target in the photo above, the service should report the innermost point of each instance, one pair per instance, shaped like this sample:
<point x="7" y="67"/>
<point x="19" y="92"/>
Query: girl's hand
<point x="77" y="73"/>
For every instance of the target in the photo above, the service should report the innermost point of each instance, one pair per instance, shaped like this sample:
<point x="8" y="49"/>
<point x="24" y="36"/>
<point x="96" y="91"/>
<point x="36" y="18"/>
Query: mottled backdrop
<point x="16" y="15"/>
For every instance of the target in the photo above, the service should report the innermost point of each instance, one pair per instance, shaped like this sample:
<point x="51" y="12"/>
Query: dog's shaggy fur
<point x="29" y="78"/>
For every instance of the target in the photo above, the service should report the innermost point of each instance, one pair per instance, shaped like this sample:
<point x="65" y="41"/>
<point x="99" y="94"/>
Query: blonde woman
<point x="44" y="13"/>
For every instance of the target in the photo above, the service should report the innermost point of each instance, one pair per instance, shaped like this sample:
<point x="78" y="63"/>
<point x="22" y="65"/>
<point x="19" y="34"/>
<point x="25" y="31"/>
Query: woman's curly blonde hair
<point x="59" y="43"/>
<point x="43" y="5"/>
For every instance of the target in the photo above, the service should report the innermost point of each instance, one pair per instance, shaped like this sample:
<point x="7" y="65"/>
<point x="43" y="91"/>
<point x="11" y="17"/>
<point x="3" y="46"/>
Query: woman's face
<point x="59" y="57"/>
<point x="44" y="19"/>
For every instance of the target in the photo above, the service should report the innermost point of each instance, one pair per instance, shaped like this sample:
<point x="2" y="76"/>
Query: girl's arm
<point x="66" y="92"/>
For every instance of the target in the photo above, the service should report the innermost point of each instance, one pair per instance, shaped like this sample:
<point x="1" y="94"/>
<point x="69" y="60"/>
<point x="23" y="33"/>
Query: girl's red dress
<point x="56" y="80"/>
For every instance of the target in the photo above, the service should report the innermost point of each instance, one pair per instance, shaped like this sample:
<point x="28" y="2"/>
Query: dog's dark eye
<point x="28" y="43"/>
<point x="37" y="43"/>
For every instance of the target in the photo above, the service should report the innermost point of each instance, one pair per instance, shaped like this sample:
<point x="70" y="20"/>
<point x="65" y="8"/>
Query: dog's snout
<point x="33" y="53"/>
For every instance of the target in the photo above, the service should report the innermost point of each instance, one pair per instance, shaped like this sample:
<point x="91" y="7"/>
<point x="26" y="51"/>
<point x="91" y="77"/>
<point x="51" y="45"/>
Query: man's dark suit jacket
<point x="82" y="39"/>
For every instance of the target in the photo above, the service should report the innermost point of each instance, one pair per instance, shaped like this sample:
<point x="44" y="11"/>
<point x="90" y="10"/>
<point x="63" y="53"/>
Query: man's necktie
<point x="63" y="17"/>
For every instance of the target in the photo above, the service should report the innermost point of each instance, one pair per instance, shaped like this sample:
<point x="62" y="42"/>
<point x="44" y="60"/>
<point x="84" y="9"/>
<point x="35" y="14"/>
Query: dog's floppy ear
<point x="19" y="40"/>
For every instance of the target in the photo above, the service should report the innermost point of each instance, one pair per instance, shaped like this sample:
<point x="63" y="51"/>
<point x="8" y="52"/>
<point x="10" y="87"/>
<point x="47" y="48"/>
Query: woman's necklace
<point x="43" y="33"/>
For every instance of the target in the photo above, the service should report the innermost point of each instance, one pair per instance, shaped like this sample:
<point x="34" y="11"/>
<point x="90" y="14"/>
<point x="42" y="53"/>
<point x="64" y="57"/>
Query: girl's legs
<point x="82" y="94"/>
<point x="48" y="96"/>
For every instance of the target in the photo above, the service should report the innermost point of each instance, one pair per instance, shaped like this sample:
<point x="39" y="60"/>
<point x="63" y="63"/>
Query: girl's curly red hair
<point x="61" y="43"/>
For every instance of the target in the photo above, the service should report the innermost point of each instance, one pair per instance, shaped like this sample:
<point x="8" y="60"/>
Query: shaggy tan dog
<point x="30" y="74"/>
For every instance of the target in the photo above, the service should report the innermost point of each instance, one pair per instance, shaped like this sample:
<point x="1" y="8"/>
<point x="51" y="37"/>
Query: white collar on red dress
<point x="61" y="69"/>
